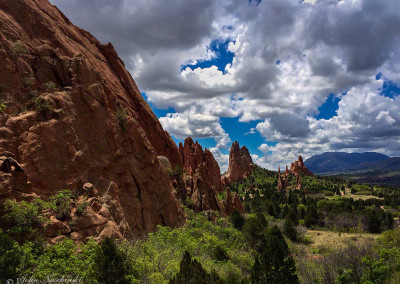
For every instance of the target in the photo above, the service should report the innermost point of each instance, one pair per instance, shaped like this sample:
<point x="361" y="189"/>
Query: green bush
<point x="157" y="258"/>
<point x="3" y="107"/>
<point x="50" y="86"/>
<point x="121" y="116"/>
<point x="66" y="259"/>
<point x="60" y="204"/>
<point x="220" y="253"/>
<point x="41" y="105"/>
<point x="237" y="220"/>
<point x="29" y="81"/>
<point x="175" y="173"/>
<point x="10" y="259"/>
<point x="23" y="217"/>
<point x="18" y="47"/>
<point x="33" y="94"/>
<point x="80" y="209"/>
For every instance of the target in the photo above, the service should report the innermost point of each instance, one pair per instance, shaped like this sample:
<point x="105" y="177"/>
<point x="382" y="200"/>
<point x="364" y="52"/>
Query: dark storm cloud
<point x="143" y="24"/>
<point x="366" y="34"/>
<point x="290" y="125"/>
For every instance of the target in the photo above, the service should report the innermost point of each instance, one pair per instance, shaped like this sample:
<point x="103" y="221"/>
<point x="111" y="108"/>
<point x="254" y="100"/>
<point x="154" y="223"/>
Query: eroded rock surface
<point x="200" y="182"/>
<point x="240" y="163"/>
<point x="75" y="116"/>
<point x="297" y="169"/>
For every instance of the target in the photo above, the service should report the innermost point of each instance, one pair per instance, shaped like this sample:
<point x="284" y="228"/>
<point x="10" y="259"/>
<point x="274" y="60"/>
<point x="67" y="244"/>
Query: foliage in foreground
<point x="363" y="263"/>
<point x="219" y="248"/>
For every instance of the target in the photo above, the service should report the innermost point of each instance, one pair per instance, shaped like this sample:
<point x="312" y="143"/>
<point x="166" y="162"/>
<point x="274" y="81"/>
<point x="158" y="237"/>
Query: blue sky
<point x="283" y="77"/>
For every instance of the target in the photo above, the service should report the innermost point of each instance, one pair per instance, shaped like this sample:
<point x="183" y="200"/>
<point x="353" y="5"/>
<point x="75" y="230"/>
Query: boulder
<point x="56" y="228"/>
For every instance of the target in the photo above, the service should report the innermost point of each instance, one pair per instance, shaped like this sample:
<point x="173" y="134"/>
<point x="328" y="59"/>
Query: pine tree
<point x="293" y="215"/>
<point x="302" y="212"/>
<point x="275" y="264"/>
<point x="311" y="217"/>
<point x="289" y="230"/>
<point x="192" y="272"/>
<point x="237" y="220"/>
<point x="111" y="265"/>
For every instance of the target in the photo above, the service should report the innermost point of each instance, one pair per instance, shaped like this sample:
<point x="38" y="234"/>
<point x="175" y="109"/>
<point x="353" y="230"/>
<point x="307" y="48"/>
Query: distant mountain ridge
<point x="387" y="165"/>
<point x="330" y="162"/>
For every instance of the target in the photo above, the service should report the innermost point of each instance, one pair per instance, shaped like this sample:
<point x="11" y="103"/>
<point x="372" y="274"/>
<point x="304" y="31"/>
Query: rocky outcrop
<point x="240" y="164"/>
<point x="73" y="116"/>
<point x="297" y="169"/>
<point x="231" y="204"/>
<point x="194" y="157"/>
<point x="200" y="182"/>
<point x="202" y="176"/>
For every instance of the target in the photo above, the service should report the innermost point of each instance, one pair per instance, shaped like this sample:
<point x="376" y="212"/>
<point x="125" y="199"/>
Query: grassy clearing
<point x="323" y="242"/>
<point x="348" y="194"/>
<point x="354" y="196"/>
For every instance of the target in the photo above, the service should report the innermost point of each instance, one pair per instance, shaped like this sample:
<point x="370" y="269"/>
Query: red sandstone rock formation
<point x="231" y="204"/>
<point x="240" y="163"/>
<point x="201" y="180"/>
<point x="297" y="168"/>
<point x="193" y="157"/>
<point x="74" y="115"/>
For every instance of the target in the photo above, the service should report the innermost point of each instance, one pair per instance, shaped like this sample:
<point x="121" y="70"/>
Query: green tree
<point x="237" y="220"/>
<point x="289" y="230"/>
<point x="192" y="272"/>
<point x="302" y="212"/>
<point x="275" y="264"/>
<point x="293" y="215"/>
<point x="24" y="221"/>
<point x="9" y="258"/>
<point x="111" y="263"/>
<point x="311" y="218"/>
<point x="220" y="253"/>
<point x="253" y="229"/>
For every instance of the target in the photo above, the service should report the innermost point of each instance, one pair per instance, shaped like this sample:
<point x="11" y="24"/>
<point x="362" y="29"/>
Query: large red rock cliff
<point x="75" y="119"/>
<point x="240" y="163"/>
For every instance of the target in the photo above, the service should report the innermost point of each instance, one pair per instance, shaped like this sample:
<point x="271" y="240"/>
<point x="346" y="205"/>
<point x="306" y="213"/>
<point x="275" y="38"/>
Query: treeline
<point x="345" y="214"/>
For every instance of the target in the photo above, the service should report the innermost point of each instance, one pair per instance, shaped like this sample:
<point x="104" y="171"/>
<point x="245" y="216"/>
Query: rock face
<point x="297" y="169"/>
<point x="194" y="157"/>
<point x="200" y="181"/>
<point x="231" y="204"/>
<point x="240" y="163"/>
<point x="74" y="116"/>
<point x="203" y="178"/>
